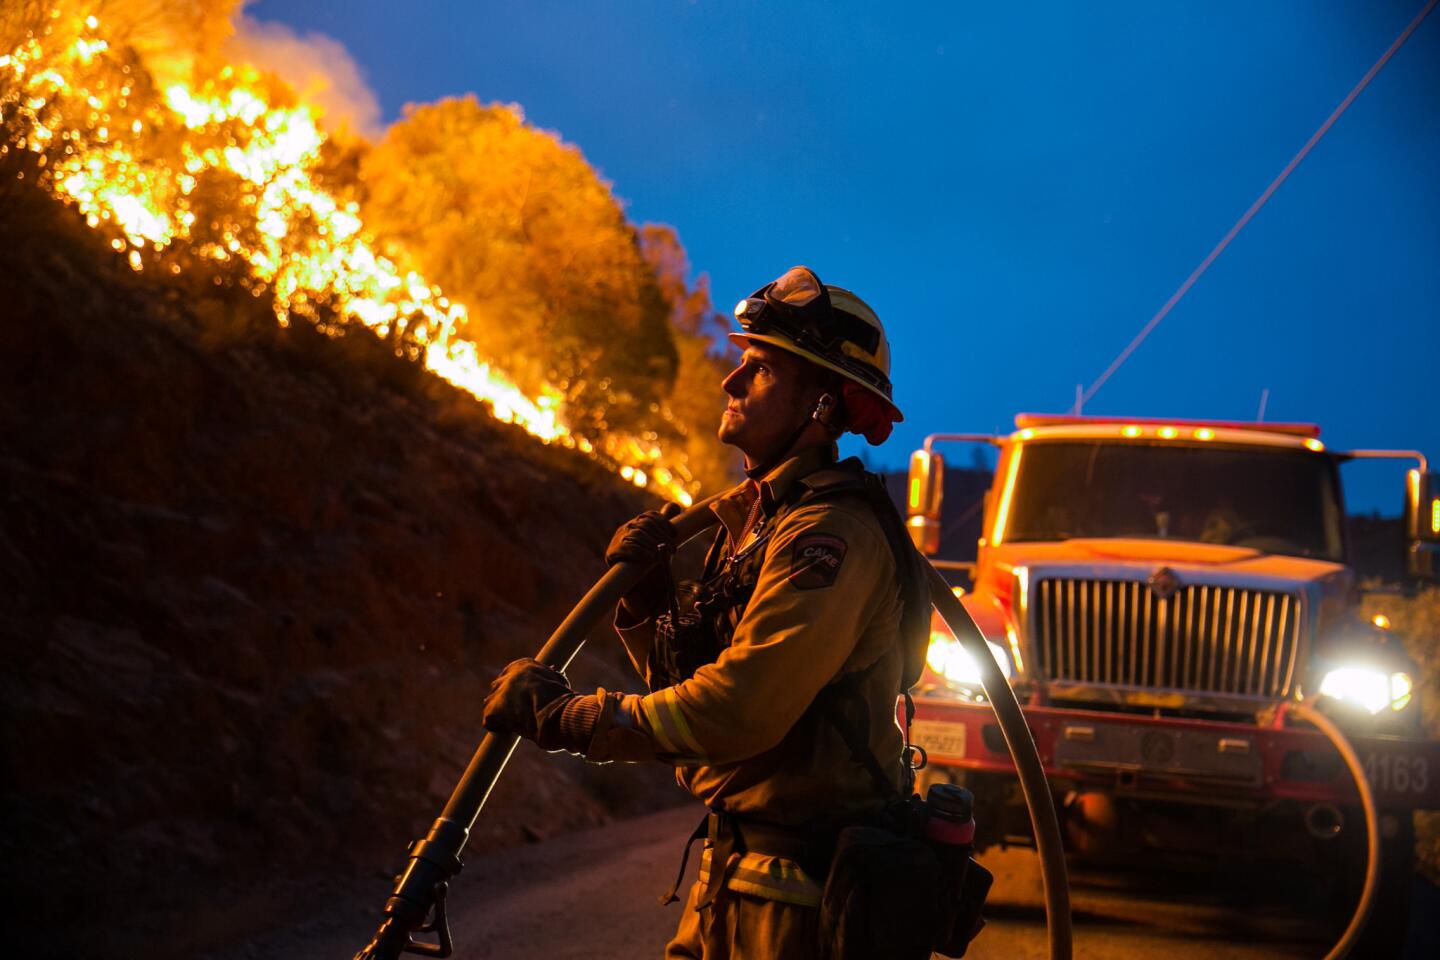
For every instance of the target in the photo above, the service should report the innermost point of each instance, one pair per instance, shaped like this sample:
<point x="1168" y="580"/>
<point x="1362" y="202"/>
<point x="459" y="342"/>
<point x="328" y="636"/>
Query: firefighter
<point x="773" y="677"/>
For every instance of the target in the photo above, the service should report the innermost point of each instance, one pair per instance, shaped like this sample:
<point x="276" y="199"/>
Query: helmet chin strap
<point x="821" y="414"/>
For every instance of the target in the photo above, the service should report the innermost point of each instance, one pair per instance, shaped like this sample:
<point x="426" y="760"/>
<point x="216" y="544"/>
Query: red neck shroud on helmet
<point x="867" y="414"/>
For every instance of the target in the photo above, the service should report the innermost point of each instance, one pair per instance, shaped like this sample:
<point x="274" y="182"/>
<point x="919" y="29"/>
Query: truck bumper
<point x="1184" y="759"/>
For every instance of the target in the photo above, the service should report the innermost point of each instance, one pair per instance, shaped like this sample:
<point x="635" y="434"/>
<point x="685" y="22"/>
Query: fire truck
<point x="1162" y="595"/>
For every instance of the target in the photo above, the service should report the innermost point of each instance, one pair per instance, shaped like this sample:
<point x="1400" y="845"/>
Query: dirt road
<point x="592" y="895"/>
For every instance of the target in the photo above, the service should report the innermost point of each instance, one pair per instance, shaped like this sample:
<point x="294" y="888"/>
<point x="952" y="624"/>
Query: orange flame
<point x="133" y="160"/>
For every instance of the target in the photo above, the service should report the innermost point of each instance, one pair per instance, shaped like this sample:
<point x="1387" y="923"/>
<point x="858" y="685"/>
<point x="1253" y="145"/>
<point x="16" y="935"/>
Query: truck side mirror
<point x="925" y="492"/>
<point x="1422" y="526"/>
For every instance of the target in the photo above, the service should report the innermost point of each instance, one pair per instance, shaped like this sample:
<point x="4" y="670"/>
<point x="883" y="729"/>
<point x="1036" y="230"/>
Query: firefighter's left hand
<point x="525" y="695"/>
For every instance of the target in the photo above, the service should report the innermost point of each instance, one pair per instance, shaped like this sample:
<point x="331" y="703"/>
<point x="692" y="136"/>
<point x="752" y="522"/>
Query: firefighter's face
<point x="767" y="399"/>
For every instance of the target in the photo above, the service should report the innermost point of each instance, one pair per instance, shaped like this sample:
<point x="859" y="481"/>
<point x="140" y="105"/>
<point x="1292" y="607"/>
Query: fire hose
<point x="1372" y="827"/>
<point x="417" y="902"/>
<point x="1018" y="738"/>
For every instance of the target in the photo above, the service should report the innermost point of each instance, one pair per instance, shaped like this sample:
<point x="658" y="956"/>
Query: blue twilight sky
<point x="1016" y="188"/>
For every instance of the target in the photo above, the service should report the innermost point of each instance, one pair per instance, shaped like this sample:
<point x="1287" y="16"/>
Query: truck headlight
<point x="1367" y="687"/>
<point x="952" y="661"/>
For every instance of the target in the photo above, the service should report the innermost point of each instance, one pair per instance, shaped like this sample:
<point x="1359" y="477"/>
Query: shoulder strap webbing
<point x="914" y="585"/>
<point x="850" y="477"/>
<point x="857" y="740"/>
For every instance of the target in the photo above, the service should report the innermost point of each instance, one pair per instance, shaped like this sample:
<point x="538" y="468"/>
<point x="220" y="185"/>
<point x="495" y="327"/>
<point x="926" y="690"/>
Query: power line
<point x="1146" y="330"/>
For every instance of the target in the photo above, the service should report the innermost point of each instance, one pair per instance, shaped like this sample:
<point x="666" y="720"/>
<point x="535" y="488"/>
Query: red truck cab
<point x="1160" y="594"/>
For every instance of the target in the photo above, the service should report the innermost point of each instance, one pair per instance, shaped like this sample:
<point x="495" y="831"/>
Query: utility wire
<point x="1146" y="330"/>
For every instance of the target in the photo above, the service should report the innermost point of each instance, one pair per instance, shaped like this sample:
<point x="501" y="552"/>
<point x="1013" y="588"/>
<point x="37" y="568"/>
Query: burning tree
<point x="508" y="217"/>
<point x="704" y="356"/>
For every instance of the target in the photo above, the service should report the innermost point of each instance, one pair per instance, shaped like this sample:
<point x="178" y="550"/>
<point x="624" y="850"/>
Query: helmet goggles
<point x="797" y="307"/>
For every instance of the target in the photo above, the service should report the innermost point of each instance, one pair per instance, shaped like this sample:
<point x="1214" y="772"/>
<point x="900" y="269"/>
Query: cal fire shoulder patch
<point x="816" y="560"/>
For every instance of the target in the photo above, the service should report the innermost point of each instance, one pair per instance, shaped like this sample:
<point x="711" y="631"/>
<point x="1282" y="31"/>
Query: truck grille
<point x="1230" y="640"/>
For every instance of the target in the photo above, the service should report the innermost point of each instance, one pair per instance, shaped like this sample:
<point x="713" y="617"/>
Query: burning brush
<point x="184" y="160"/>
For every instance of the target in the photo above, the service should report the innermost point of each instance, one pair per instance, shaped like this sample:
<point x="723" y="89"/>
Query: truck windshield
<point x="1276" y="501"/>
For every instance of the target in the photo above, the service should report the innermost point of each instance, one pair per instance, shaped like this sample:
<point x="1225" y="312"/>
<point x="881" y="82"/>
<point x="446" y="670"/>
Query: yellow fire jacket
<point x="827" y="603"/>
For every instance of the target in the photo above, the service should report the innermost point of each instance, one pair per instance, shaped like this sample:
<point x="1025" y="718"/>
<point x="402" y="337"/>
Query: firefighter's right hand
<point x="646" y="539"/>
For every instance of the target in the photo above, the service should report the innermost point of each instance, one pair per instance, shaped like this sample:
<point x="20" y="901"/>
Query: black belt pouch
<point x="881" y="898"/>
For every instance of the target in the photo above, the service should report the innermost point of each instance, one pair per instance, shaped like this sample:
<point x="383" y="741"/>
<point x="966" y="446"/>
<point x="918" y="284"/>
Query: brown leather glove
<point x="648" y="539"/>
<point x="534" y="701"/>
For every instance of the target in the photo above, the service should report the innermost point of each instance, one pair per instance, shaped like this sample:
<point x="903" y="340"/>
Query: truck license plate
<point x="1398" y="774"/>
<point x="939" y="738"/>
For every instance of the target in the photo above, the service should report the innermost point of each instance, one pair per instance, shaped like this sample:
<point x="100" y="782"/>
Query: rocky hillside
<point x="256" y="582"/>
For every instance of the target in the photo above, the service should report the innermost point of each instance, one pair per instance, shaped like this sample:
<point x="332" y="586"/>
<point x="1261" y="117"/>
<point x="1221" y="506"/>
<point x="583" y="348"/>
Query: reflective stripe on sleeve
<point x="657" y="729"/>
<point x="667" y="722"/>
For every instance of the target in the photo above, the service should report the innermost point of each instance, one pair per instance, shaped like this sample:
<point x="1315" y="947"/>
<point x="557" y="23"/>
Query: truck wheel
<point x="1385" y="932"/>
